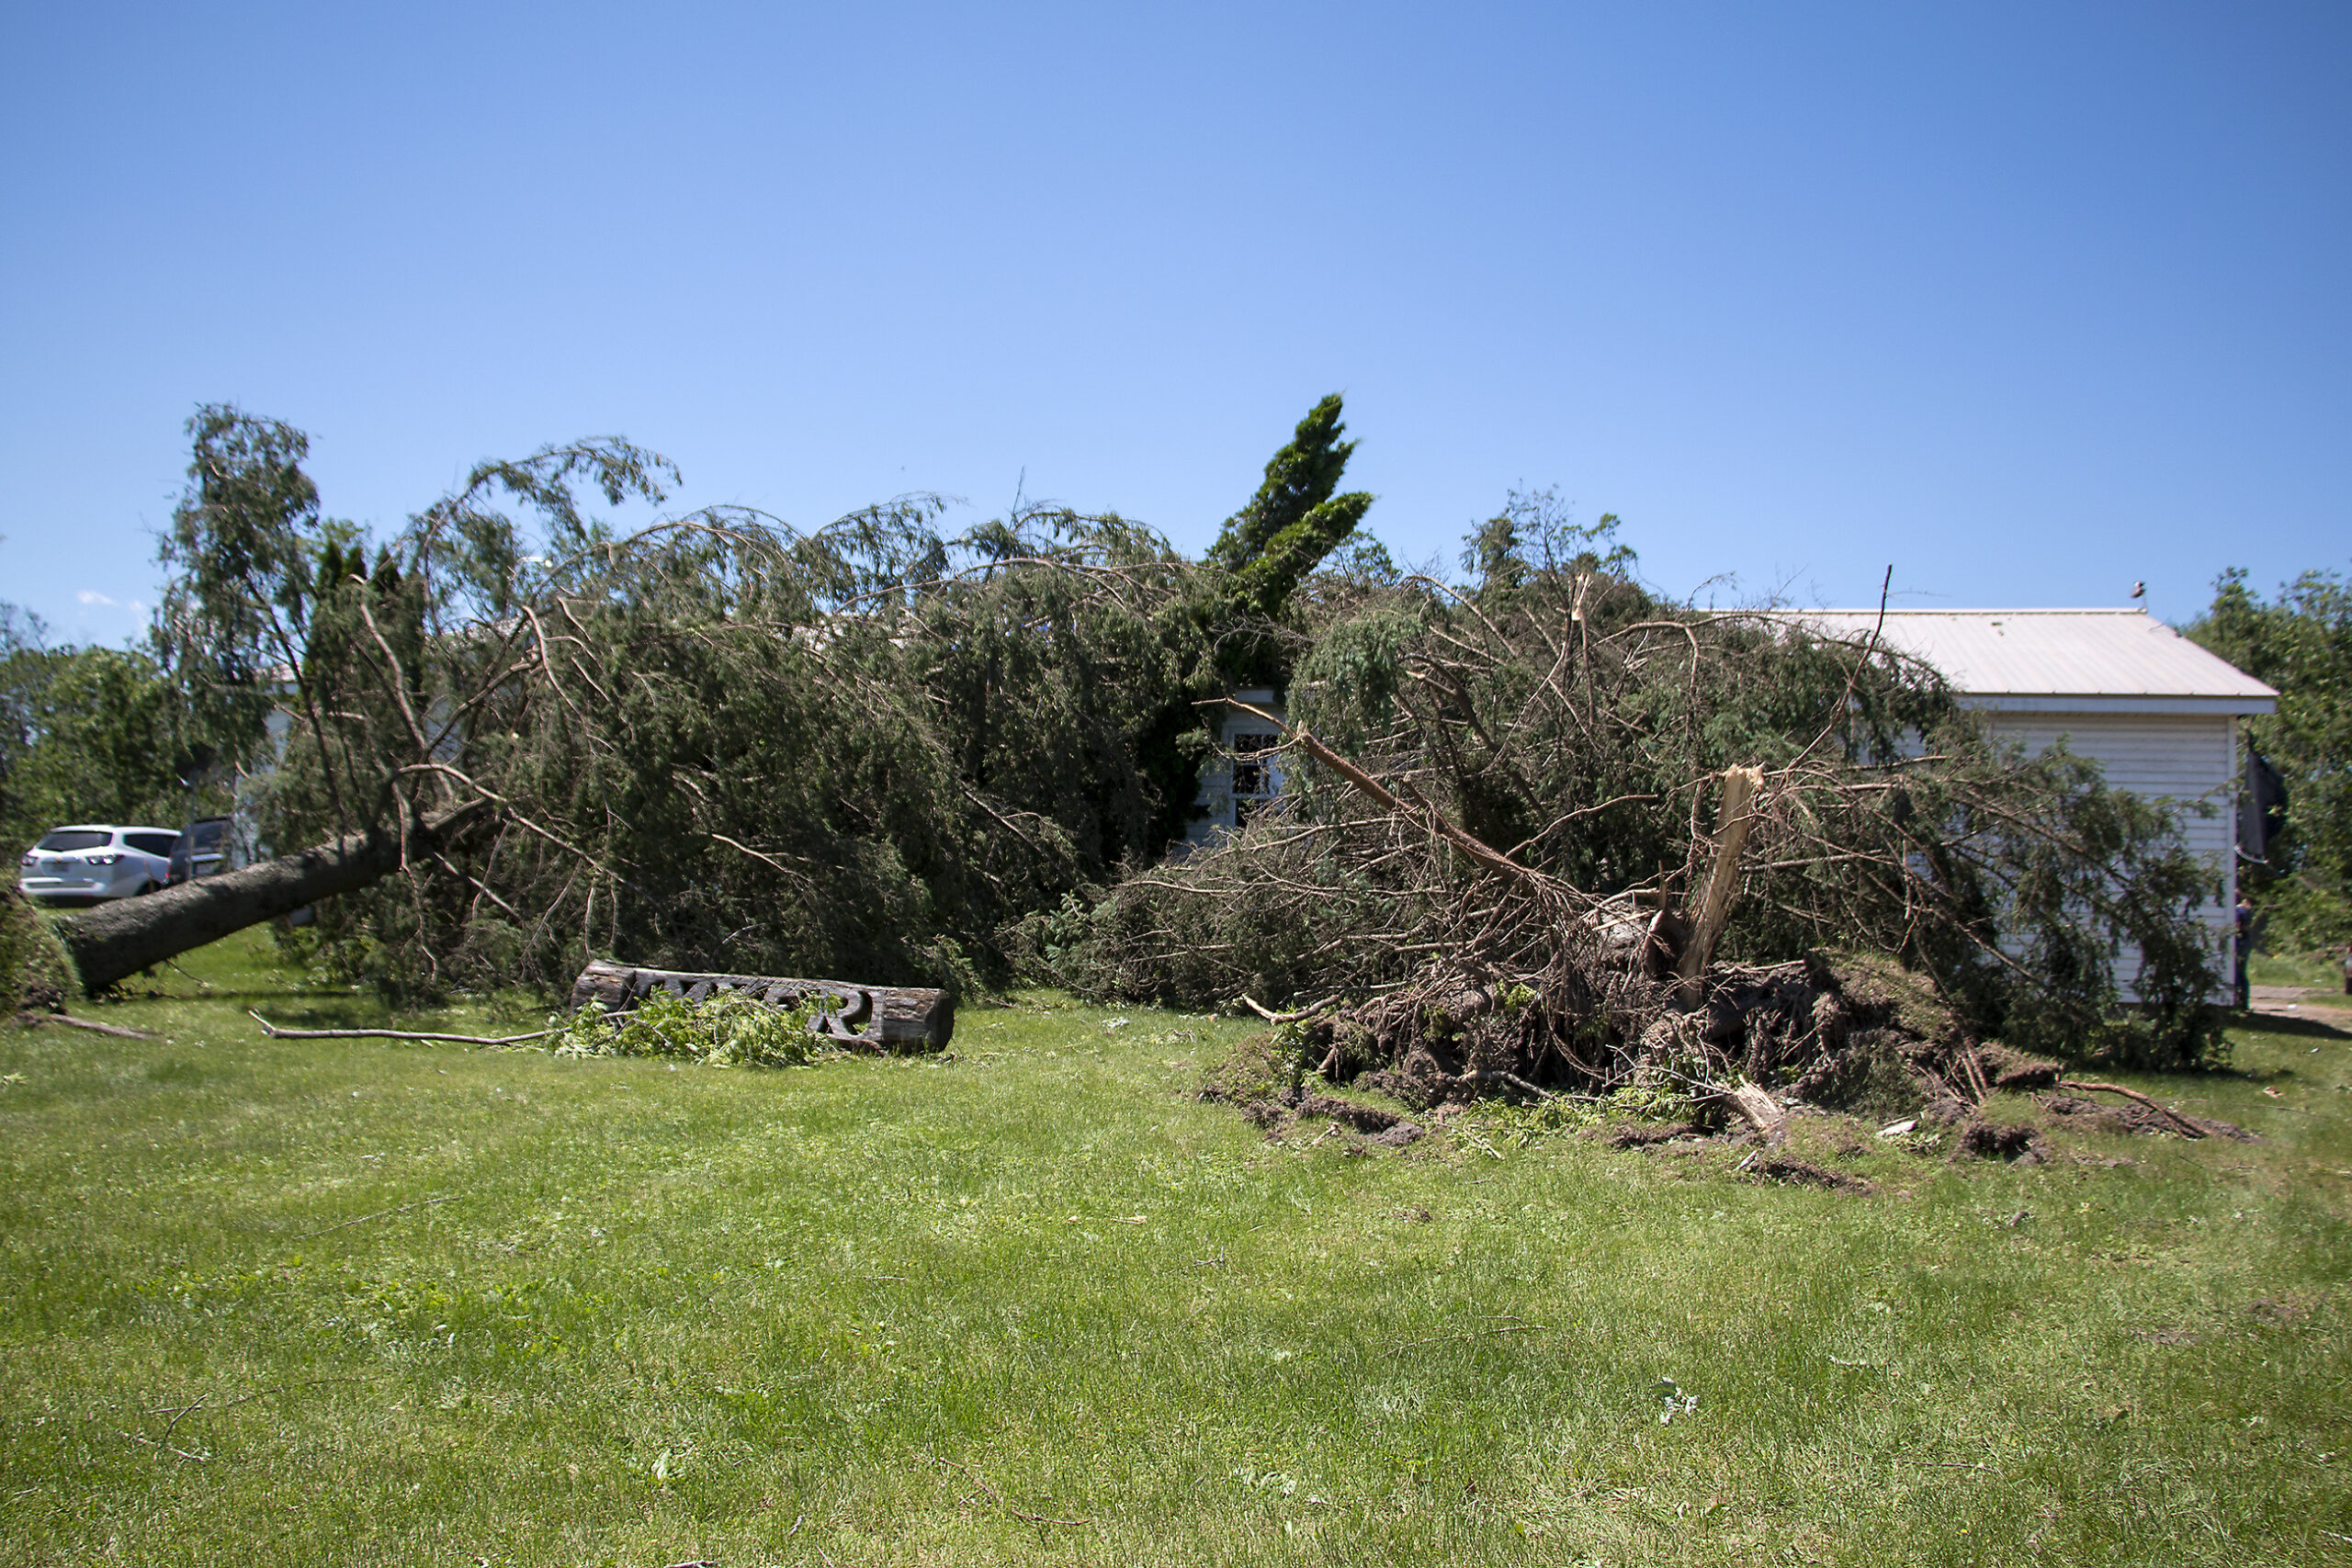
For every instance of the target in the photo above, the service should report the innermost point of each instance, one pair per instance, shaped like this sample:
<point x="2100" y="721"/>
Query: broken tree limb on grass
<point x="1254" y="1005"/>
<point x="379" y="1215"/>
<point x="873" y="1018"/>
<point x="2189" y="1129"/>
<point x="1759" y="1108"/>
<point x="276" y="1032"/>
<point x="30" y="1019"/>
<point x="1733" y="818"/>
<point x="116" y="941"/>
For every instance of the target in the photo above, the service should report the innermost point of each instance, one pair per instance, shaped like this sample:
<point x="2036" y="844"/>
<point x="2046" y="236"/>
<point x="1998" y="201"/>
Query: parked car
<point x="91" y="862"/>
<point x="203" y="850"/>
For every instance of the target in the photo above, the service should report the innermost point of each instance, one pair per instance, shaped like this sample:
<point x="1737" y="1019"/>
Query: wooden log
<point x="1758" y="1108"/>
<point x="874" y="1018"/>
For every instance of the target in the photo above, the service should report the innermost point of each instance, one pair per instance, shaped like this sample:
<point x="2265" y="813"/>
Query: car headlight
<point x="101" y="860"/>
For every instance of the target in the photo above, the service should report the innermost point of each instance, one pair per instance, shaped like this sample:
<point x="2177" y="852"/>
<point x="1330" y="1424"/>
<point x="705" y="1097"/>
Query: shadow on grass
<point x="2275" y="1023"/>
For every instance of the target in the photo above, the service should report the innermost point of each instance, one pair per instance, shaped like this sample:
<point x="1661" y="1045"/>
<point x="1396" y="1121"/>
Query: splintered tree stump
<point x="872" y="1017"/>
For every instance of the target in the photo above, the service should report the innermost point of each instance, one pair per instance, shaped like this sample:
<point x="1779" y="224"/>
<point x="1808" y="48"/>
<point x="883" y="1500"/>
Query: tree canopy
<point x="87" y="735"/>
<point x="2301" y="642"/>
<point x="885" y="749"/>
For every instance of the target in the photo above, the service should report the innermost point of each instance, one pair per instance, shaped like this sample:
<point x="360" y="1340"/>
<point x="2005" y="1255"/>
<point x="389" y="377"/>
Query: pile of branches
<point x="1848" y="1033"/>
<point x="1533" y="831"/>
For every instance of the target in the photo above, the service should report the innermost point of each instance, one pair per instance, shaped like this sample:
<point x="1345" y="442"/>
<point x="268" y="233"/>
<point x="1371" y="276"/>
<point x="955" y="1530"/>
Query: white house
<point x="2158" y="713"/>
<point x="1246" y="773"/>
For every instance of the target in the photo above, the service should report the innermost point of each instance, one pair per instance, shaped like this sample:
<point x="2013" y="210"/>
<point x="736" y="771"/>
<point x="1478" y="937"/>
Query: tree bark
<point x="116" y="941"/>
<point x="1733" y="817"/>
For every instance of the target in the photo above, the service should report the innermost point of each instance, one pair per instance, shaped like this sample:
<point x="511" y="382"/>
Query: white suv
<point x="94" y="863"/>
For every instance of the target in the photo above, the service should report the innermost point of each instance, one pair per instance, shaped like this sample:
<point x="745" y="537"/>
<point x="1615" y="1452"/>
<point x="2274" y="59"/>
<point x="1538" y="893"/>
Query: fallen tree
<point x="862" y="750"/>
<point x="116" y="941"/>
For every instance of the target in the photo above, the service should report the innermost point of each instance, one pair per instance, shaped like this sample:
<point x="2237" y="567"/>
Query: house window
<point x="1254" y="779"/>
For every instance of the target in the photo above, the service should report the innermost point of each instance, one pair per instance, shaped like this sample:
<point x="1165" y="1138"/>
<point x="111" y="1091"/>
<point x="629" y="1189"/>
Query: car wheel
<point x="145" y="888"/>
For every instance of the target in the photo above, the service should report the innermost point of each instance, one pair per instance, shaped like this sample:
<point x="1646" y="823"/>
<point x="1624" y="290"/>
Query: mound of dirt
<point x="1642" y="1135"/>
<point x="1846" y="1032"/>
<point x="1793" y="1172"/>
<point x="1277" y="1108"/>
<point x="1348" y="1113"/>
<point x="36" y="973"/>
<point x="2127" y="1116"/>
<point x="2017" y="1143"/>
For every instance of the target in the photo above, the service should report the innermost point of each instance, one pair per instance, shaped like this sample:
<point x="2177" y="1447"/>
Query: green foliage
<point x="1268" y="546"/>
<point x="2095" y="869"/>
<point x="1561" y="713"/>
<point x="244" y="549"/>
<point x="726" y="1030"/>
<point x="35" y="969"/>
<point x="1535" y="537"/>
<point x="87" y="735"/>
<point x="1346" y="685"/>
<point x="865" y="751"/>
<point x="876" y="751"/>
<point x="2301" y="642"/>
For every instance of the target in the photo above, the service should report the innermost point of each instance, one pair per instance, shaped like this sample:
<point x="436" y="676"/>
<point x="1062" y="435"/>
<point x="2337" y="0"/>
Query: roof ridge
<point x="1893" y="610"/>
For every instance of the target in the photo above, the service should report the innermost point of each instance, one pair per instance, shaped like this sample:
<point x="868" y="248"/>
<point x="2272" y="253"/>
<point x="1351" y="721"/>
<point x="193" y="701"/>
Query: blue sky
<point x="2030" y="301"/>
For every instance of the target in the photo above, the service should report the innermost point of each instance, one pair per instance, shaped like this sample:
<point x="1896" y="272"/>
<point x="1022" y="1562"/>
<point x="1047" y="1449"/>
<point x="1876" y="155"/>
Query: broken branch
<point x="1305" y="1012"/>
<point x="1733" y="818"/>
<point x="2189" y="1129"/>
<point x="35" y="1020"/>
<point x="275" y="1032"/>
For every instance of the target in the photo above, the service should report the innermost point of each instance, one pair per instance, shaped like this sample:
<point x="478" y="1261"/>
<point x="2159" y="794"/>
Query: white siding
<point x="2189" y="759"/>
<point x="1216" y="798"/>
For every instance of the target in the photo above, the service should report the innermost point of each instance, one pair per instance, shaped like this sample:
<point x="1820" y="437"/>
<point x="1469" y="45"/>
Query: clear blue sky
<point x="2030" y="301"/>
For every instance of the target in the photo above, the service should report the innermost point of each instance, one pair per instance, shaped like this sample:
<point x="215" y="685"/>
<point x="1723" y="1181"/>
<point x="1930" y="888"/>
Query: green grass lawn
<point x="271" y="1301"/>
<point x="2322" y="970"/>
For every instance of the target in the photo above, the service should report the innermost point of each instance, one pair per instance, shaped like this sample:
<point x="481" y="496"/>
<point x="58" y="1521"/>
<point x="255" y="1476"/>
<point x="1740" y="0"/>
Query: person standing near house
<point x="2246" y="933"/>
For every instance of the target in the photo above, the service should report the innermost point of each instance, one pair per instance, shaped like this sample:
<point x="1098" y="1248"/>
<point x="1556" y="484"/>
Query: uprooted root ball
<point x="1835" y="1030"/>
<point x="1844" y="1032"/>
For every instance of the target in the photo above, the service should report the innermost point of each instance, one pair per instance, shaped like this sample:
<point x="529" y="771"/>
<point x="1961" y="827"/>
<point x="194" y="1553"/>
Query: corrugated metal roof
<point x="2111" y="661"/>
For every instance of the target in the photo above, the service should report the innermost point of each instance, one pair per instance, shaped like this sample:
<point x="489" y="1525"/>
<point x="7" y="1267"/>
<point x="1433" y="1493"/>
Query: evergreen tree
<point x="2300" y="642"/>
<point x="1295" y="520"/>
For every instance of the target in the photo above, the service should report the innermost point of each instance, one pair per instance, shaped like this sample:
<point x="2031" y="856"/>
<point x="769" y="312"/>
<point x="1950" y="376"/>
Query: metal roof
<point x="2060" y="660"/>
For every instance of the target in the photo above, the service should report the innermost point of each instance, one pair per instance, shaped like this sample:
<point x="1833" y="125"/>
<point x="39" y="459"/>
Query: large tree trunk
<point x="116" y="941"/>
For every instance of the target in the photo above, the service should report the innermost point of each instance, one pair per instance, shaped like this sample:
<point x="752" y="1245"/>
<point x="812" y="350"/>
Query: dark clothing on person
<point x="2245" y="944"/>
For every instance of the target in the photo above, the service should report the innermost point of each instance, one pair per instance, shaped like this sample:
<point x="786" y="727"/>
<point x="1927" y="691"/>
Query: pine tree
<point x="1294" y="521"/>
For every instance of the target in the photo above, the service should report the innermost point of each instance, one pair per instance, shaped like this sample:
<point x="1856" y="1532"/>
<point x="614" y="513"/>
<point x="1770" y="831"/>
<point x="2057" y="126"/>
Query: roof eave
<point x="2244" y="704"/>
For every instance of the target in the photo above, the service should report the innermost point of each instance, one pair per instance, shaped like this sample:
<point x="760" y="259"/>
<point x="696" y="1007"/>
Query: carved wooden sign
<point x="871" y="1017"/>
